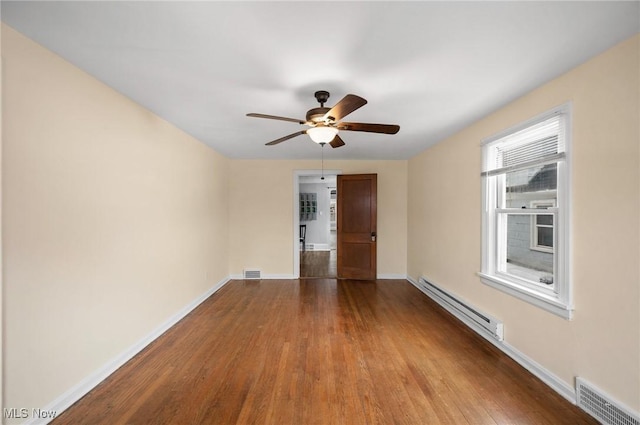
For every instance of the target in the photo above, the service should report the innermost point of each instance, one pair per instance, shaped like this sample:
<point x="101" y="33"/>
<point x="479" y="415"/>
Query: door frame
<point x="296" y="212"/>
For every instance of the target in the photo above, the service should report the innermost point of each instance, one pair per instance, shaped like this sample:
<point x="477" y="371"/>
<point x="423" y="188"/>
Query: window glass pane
<point x="523" y="186"/>
<point x="523" y="261"/>
<point x="544" y="220"/>
<point x="545" y="236"/>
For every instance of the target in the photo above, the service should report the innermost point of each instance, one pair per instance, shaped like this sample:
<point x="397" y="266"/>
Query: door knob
<point x="373" y="236"/>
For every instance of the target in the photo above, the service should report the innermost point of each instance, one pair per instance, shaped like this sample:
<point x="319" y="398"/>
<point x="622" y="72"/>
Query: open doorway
<point x="315" y="252"/>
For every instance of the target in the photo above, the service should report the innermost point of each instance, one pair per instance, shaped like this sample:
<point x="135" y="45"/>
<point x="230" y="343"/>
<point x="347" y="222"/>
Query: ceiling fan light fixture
<point x="326" y="122"/>
<point x="322" y="134"/>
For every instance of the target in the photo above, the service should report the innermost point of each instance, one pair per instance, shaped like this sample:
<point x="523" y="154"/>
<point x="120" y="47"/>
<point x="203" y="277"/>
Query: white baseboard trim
<point x="263" y="277"/>
<point x="74" y="394"/>
<point x="384" y="276"/>
<point x="540" y="372"/>
<point x="551" y="380"/>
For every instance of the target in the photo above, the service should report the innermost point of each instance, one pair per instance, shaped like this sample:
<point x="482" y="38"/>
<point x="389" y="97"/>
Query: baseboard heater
<point x="470" y="315"/>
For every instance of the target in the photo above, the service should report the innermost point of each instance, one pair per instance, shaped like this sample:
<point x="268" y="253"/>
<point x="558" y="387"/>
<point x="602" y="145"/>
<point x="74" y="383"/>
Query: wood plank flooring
<point x="318" y="264"/>
<point x="321" y="351"/>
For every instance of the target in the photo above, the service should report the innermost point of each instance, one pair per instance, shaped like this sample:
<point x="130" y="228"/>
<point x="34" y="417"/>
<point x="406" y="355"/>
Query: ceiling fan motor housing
<point x="316" y="115"/>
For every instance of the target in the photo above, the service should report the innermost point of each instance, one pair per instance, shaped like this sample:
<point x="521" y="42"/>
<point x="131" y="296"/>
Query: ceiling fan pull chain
<point x="322" y="160"/>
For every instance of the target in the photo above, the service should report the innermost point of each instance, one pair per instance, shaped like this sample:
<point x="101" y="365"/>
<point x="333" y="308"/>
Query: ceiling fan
<point x="325" y="122"/>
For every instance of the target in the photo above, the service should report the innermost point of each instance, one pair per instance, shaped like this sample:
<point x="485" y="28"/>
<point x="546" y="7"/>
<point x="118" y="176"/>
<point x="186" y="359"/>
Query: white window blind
<point x="536" y="145"/>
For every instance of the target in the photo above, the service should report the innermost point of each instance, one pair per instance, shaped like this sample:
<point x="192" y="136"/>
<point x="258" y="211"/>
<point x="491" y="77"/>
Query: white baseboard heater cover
<point x="601" y="406"/>
<point x="470" y="315"/>
<point x="251" y="274"/>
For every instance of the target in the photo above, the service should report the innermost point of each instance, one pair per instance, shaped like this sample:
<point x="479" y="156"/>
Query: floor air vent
<point x="481" y="322"/>
<point x="601" y="406"/>
<point x="251" y="274"/>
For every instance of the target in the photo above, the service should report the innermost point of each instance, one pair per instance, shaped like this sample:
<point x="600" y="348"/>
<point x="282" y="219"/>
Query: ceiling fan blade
<point x="347" y="105"/>
<point x="371" y="128"/>
<point x="337" y="142"/>
<point x="282" y="139"/>
<point x="274" y="117"/>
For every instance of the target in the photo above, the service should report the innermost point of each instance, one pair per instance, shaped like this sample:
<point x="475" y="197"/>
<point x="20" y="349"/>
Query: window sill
<point x="541" y="249"/>
<point x="546" y="302"/>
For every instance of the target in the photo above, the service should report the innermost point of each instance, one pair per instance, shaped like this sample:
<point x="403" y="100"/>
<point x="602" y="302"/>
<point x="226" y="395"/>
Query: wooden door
<point x="356" y="227"/>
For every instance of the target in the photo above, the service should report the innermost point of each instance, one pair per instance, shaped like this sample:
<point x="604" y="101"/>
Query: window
<point x="525" y="212"/>
<point x="542" y="227"/>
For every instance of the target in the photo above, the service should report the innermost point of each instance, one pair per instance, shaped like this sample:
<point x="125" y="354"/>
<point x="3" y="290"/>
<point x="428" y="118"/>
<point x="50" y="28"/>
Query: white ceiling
<point x="431" y="67"/>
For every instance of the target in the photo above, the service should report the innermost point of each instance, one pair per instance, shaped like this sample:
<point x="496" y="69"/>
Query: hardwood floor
<point x="321" y="352"/>
<point x="318" y="264"/>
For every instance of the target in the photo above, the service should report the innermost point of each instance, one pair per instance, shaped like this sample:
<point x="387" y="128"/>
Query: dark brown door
<point x="356" y="233"/>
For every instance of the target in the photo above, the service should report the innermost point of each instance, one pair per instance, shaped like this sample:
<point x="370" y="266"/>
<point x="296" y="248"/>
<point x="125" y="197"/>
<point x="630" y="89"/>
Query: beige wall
<point x="113" y="221"/>
<point x="602" y="342"/>
<point x="261" y="213"/>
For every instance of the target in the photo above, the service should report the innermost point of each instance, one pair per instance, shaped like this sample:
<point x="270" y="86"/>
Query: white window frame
<point x="557" y="300"/>
<point x="534" y="225"/>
